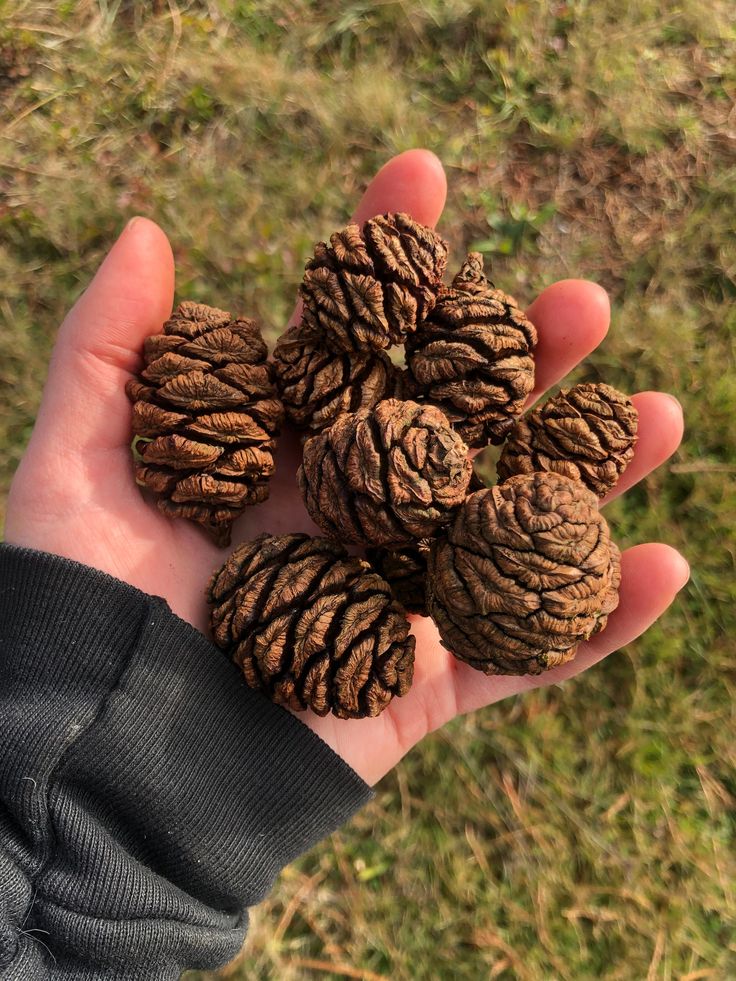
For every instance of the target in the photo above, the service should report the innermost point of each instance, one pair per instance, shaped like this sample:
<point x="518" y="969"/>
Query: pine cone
<point x="205" y="414"/>
<point x="373" y="285"/>
<point x="317" y="385"/>
<point x="311" y="627"/>
<point x="405" y="570"/>
<point x="472" y="356"/>
<point x="385" y="476"/>
<point x="525" y="573"/>
<point x="587" y="433"/>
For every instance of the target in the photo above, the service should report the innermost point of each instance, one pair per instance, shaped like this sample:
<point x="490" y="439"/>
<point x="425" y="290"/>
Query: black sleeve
<point x="148" y="797"/>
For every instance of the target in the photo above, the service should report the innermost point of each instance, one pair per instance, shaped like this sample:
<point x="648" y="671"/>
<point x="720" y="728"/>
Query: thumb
<point x="84" y="404"/>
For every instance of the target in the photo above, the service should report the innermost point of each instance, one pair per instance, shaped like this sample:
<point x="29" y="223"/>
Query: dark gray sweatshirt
<point x="148" y="797"/>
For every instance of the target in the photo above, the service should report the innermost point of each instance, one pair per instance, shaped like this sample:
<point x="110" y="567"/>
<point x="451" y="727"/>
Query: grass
<point x="586" y="831"/>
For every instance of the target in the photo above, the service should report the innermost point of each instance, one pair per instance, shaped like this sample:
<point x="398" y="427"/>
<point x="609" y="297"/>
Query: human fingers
<point x="572" y="317"/>
<point x="660" y="431"/>
<point x="651" y="576"/>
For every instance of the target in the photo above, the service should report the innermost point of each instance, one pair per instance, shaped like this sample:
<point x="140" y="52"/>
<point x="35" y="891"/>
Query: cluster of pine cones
<point x="514" y="576"/>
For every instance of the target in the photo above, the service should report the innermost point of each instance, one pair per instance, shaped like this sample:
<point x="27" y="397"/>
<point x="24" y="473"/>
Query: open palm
<point x="74" y="493"/>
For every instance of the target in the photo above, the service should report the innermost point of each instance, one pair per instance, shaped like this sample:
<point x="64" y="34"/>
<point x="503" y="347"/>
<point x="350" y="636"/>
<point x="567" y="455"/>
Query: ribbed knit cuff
<point x="149" y="782"/>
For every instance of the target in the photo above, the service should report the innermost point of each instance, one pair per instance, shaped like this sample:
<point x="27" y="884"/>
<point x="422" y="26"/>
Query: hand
<point x="75" y="495"/>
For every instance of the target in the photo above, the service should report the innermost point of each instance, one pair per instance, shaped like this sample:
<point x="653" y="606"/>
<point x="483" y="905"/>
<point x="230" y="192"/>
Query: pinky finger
<point x="651" y="577"/>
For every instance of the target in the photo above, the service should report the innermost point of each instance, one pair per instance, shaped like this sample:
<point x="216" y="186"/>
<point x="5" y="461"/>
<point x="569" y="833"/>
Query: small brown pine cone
<point x="317" y="385"/>
<point x="311" y="627"/>
<point x="472" y="356"/>
<point x="385" y="476"/>
<point x="405" y="570"/>
<point x="205" y="417"/>
<point x="526" y="571"/>
<point x="372" y="285"/>
<point x="587" y="433"/>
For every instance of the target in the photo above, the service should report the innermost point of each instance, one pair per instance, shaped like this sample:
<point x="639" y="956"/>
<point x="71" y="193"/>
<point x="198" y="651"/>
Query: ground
<point x="586" y="831"/>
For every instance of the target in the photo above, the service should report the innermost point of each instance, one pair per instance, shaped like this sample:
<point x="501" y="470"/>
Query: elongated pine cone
<point x="385" y="476"/>
<point x="317" y="385"/>
<point x="472" y="356"/>
<point x="587" y="433"/>
<point x="405" y="570"/>
<point x="311" y="627"/>
<point x="525" y="573"/>
<point x="205" y="417"/>
<point x="372" y="285"/>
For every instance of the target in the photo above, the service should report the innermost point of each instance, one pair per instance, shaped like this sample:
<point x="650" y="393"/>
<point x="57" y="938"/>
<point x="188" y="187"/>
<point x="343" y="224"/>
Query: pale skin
<point x="74" y="493"/>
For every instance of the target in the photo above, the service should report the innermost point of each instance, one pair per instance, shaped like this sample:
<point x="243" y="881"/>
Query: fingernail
<point x="132" y="222"/>
<point x="684" y="572"/>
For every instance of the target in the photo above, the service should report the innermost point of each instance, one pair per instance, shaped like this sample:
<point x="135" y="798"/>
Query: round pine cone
<point x="205" y="414"/>
<point x="405" y="570"/>
<point x="587" y="433"/>
<point x="317" y="385"/>
<point x="311" y="627"/>
<point x="373" y="285"/>
<point x="472" y="356"/>
<point x="525" y="573"/>
<point x="385" y="476"/>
